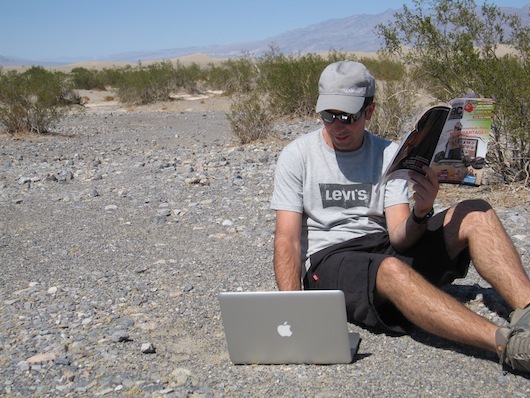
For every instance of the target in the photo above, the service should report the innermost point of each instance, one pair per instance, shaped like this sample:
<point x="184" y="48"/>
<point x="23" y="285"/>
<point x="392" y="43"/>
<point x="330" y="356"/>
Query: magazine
<point x="453" y="140"/>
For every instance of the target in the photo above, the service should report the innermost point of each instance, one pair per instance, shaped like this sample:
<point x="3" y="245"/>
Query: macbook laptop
<point x="287" y="327"/>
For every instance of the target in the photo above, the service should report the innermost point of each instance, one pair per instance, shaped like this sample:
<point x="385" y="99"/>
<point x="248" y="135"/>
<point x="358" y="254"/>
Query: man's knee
<point x="391" y="273"/>
<point x="468" y="213"/>
<point x="473" y="205"/>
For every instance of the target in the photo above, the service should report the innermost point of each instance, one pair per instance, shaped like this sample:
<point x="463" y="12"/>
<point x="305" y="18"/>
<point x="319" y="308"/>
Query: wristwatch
<point x="424" y="219"/>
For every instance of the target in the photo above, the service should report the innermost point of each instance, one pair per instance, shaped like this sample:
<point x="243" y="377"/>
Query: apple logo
<point x="284" y="330"/>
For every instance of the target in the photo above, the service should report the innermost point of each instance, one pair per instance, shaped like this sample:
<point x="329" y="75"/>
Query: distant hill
<point x="355" y="33"/>
<point x="11" y="61"/>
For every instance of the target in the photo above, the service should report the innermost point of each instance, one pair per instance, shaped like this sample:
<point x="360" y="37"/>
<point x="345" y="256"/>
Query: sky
<point x="64" y="29"/>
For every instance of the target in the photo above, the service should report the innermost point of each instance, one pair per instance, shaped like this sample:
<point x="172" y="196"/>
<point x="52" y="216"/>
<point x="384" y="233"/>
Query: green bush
<point x="188" y="78"/>
<point x="146" y="84"/>
<point x="454" y="49"/>
<point x="384" y="68"/>
<point x="83" y="78"/>
<point x="291" y="82"/>
<point x="233" y="76"/>
<point x="34" y="100"/>
<point x="111" y="77"/>
<point x="155" y="82"/>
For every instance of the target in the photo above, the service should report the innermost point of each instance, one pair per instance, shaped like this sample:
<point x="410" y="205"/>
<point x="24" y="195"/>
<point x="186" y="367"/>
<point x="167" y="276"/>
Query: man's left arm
<point x="403" y="230"/>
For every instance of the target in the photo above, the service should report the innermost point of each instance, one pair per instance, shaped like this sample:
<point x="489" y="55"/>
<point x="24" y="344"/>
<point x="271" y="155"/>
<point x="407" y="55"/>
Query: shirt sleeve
<point x="288" y="181"/>
<point x="396" y="192"/>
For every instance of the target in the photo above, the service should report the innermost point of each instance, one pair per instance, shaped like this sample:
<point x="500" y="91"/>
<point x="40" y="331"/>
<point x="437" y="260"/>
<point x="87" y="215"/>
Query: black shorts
<point x="352" y="267"/>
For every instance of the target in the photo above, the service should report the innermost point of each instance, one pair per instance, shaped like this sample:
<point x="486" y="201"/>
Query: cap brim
<point x="343" y="103"/>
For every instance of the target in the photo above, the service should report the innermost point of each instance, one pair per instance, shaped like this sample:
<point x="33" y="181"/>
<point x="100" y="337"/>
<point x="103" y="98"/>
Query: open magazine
<point x="453" y="140"/>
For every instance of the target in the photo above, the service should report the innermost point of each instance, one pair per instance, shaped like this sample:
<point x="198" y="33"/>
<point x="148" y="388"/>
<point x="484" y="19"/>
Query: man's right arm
<point x="287" y="260"/>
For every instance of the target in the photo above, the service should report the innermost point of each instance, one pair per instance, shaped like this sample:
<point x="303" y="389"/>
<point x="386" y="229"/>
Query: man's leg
<point x="475" y="224"/>
<point x="430" y="308"/>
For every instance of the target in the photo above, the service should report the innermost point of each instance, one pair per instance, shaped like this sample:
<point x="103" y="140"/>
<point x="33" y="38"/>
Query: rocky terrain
<point x="118" y="231"/>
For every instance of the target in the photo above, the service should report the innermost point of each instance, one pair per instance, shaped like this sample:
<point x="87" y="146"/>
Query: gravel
<point x="119" y="230"/>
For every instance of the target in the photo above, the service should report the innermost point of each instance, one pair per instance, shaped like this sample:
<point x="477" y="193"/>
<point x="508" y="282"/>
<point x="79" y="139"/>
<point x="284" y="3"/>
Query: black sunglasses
<point x="345" y="118"/>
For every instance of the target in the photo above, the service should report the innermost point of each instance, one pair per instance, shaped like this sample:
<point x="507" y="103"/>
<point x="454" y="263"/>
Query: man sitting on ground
<point x="340" y="226"/>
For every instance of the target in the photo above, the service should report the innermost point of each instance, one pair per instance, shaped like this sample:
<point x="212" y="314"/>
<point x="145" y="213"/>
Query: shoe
<point x="521" y="318"/>
<point x="516" y="352"/>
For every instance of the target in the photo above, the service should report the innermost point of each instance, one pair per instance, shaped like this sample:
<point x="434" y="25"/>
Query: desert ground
<point x="119" y="230"/>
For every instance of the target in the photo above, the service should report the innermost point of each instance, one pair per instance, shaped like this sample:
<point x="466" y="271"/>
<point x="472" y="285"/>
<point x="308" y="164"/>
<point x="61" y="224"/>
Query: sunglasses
<point x="344" y="118"/>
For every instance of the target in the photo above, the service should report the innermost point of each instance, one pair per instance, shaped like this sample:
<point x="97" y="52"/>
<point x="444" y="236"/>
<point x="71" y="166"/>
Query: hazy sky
<point x="55" y="29"/>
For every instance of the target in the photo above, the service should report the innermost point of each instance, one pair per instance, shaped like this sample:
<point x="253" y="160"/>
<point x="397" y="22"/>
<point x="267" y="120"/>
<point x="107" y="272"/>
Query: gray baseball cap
<point x="343" y="86"/>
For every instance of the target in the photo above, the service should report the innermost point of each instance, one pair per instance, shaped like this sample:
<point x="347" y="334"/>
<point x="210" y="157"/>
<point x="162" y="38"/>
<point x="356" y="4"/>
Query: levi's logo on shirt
<point x="345" y="196"/>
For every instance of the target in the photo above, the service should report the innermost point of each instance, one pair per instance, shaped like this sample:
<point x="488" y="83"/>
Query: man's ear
<point x="369" y="111"/>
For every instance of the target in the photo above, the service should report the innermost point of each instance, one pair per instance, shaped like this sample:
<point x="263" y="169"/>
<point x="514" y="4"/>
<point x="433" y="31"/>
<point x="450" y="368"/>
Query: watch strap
<point x="424" y="219"/>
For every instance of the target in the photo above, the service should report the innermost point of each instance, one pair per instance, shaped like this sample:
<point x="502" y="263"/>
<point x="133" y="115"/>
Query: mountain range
<point x="355" y="33"/>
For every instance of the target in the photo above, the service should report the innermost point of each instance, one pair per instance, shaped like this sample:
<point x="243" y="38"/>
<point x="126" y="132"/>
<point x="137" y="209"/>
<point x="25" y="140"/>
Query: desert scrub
<point x="233" y="76"/>
<point x="34" y="100"/>
<point x="88" y="79"/>
<point x="250" y="117"/>
<point x="146" y="84"/>
<point x="156" y="82"/>
<point x="454" y="46"/>
<point x="291" y="82"/>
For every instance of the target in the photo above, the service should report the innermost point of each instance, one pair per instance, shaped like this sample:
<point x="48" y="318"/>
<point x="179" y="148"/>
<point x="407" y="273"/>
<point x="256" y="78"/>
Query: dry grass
<point x="496" y="195"/>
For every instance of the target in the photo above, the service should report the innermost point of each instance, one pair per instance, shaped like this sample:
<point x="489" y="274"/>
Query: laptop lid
<point x="287" y="327"/>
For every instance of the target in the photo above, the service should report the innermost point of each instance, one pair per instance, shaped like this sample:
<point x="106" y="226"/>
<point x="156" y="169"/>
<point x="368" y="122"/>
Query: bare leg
<point x="475" y="224"/>
<point x="430" y="308"/>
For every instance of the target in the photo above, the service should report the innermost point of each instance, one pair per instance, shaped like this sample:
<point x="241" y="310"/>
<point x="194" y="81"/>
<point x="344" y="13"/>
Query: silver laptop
<point x="287" y="327"/>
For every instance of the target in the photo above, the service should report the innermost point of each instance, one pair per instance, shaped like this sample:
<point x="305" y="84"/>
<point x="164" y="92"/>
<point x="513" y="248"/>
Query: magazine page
<point x="419" y="146"/>
<point x="461" y="150"/>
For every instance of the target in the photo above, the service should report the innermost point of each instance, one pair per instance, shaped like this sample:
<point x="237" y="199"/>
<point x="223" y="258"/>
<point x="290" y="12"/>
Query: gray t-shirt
<point x="340" y="194"/>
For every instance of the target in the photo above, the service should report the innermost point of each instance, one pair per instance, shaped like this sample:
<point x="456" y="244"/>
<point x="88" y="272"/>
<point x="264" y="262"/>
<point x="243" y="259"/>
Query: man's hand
<point x="402" y="230"/>
<point x="425" y="191"/>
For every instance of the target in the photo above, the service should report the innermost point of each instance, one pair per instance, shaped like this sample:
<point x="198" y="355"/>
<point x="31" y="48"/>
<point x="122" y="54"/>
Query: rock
<point x="110" y="209"/>
<point x="120" y="336"/>
<point x="148" y="348"/>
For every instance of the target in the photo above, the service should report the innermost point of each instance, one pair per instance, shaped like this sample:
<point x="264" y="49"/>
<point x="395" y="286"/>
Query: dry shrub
<point x="397" y="108"/>
<point x="250" y="117"/>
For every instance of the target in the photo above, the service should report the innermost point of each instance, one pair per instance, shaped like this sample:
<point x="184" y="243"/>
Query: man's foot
<point x="516" y="352"/>
<point x="521" y="317"/>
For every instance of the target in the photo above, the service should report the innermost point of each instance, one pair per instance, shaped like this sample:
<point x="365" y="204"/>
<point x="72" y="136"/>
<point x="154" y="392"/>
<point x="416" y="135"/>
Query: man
<point x="453" y="148"/>
<point x="339" y="226"/>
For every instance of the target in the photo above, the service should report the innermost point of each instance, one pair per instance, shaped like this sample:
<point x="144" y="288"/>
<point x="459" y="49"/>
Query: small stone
<point x="24" y="180"/>
<point x="120" y="336"/>
<point x="111" y="209"/>
<point x="148" y="348"/>
<point x="104" y="392"/>
<point x="23" y="366"/>
<point x="180" y="376"/>
<point x="48" y="356"/>
<point x="159" y="219"/>
<point x="163" y="212"/>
